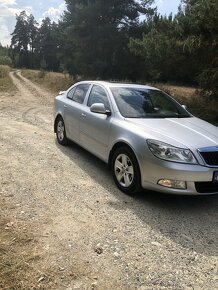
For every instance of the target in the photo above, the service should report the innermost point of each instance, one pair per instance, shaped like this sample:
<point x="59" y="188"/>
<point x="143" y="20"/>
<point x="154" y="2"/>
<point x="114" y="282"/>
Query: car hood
<point x="187" y="132"/>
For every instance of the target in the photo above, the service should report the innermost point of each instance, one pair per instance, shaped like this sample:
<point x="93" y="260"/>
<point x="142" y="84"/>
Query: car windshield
<point x="146" y="103"/>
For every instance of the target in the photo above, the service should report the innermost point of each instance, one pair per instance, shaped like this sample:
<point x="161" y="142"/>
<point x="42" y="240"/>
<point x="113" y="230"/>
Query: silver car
<point x="148" y="140"/>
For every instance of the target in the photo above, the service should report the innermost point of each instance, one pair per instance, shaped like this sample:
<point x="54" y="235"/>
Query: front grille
<point x="210" y="157"/>
<point x="206" y="187"/>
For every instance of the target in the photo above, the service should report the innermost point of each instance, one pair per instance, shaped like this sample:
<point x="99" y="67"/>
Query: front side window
<point x="80" y="93"/>
<point x="147" y="103"/>
<point x="98" y="95"/>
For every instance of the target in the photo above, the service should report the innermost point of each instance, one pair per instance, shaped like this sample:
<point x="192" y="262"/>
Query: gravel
<point x="88" y="233"/>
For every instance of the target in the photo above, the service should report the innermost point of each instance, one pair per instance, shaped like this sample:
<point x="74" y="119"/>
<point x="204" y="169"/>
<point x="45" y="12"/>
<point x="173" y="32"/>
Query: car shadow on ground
<point x="189" y="221"/>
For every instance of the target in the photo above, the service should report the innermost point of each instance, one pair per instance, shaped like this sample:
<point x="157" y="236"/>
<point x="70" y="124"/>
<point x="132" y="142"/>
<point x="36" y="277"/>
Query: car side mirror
<point x="100" y="109"/>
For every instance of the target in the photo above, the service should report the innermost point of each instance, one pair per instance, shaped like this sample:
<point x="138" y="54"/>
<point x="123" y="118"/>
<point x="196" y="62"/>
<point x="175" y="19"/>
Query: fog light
<point x="178" y="184"/>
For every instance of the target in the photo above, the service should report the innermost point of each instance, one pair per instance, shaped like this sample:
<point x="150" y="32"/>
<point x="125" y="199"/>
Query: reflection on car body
<point x="146" y="137"/>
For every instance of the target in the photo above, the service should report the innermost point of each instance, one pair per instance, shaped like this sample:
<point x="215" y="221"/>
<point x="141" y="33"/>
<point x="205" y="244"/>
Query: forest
<point x="122" y="40"/>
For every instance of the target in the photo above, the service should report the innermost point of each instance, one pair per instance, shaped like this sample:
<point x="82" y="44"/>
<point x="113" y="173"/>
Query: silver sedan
<point x="148" y="139"/>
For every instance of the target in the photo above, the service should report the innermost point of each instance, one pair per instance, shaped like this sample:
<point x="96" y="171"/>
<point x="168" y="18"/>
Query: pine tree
<point x="47" y="45"/>
<point x="23" y="40"/>
<point x="201" y="40"/>
<point x="95" y="35"/>
<point x="20" y="38"/>
<point x="32" y="33"/>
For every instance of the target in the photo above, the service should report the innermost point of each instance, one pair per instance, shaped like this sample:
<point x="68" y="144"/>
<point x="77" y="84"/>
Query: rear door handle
<point x="65" y="106"/>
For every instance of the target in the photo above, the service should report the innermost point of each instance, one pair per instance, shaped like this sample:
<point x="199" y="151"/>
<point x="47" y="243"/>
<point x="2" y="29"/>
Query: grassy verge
<point x="6" y="84"/>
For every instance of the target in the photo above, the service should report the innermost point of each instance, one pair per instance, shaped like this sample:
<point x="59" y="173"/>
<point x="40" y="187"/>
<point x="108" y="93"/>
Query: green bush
<point x="5" y="81"/>
<point x="5" y="60"/>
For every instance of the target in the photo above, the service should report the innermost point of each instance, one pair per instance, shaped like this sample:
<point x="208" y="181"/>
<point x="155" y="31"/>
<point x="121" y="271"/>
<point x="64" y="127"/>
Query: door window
<point x="98" y="95"/>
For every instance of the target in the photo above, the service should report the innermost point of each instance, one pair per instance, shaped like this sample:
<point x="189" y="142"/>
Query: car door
<point x="94" y="127"/>
<point x="73" y="110"/>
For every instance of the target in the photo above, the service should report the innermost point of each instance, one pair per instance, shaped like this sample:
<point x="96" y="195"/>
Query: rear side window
<point x="78" y="93"/>
<point x="71" y="92"/>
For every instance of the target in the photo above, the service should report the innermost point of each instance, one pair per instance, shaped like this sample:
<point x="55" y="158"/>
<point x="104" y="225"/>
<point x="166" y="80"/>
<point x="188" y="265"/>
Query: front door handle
<point x="83" y="115"/>
<point x="65" y="106"/>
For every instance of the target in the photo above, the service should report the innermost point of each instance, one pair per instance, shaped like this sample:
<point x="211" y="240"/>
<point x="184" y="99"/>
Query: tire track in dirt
<point x="29" y="156"/>
<point x="22" y="89"/>
<point x="43" y="96"/>
<point x="34" y="104"/>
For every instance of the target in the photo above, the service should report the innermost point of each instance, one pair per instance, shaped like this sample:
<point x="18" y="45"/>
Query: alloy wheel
<point x="124" y="170"/>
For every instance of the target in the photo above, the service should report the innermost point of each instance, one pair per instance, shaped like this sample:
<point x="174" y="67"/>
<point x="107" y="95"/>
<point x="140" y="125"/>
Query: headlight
<point x="171" y="153"/>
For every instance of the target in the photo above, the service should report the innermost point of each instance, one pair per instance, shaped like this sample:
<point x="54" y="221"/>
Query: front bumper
<point x="199" y="179"/>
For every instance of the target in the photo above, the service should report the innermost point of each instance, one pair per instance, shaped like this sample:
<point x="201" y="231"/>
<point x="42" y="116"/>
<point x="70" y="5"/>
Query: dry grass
<point x="5" y="81"/>
<point x="179" y="91"/>
<point x="198" y="105"/>
<point x="17" y="252"/>
<point x="55" y="82"/>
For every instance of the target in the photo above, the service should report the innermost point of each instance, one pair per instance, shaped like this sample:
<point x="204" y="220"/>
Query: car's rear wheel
<point x="61" y="132"/>
<point x="126" y="172"/>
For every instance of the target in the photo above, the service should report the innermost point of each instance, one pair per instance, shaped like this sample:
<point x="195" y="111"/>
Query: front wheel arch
<point x="114" y="149"/>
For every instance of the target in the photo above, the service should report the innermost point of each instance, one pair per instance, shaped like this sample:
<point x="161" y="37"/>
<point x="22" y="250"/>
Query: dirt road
<point x="65" y="225"/>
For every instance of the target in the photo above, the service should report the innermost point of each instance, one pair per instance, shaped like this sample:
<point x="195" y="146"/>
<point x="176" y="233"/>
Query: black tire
<point x="60" y="131"/>
<point x="126" y="172"/>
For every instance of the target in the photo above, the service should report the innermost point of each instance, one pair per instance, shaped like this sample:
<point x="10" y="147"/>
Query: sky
<point x="53" y="9"/>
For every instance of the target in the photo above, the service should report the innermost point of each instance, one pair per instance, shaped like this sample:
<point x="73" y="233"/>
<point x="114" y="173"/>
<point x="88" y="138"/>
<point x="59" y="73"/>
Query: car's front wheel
<point x="61" y="132"/>
<point x="126" y="172"/>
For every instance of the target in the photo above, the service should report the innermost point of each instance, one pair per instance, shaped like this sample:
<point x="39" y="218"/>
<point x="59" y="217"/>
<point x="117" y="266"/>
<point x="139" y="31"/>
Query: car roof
<point x="111" y="84"/>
